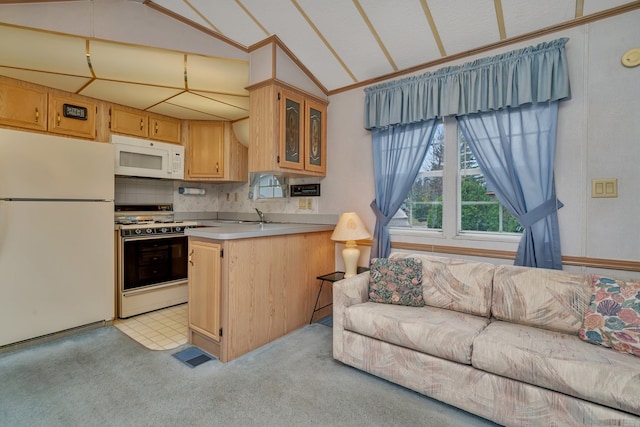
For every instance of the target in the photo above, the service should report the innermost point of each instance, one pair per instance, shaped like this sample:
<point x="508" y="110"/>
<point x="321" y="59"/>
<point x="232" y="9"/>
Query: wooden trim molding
<point x="576" y="261"/>
<point x="275" y="41"/>
<point x="195" y="25"/>
<point x="287" y="86"/>
<point x="583" y="20"/>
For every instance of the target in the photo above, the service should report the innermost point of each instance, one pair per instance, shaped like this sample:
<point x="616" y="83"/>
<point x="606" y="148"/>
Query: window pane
<point x="480" y="210"/>
<point x="423" y="205"/>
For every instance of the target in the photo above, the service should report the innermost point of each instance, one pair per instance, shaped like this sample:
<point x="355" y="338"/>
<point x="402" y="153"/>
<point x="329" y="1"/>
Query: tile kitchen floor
<point x="159" y="330"/>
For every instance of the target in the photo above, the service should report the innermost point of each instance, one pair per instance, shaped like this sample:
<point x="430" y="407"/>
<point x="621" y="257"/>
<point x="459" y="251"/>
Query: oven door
<point x="153" y="261"/>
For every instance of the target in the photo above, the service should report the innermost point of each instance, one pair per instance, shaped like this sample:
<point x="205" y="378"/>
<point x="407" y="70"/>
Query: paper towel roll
<point x="191" y="191"/>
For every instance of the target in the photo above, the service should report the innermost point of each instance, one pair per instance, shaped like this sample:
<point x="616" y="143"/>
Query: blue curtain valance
<point x="530" y="75"/>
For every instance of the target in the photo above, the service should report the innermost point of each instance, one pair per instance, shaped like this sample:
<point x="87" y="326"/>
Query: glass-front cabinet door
<point x="291" y="131"/>
<point x="315" y="137"/>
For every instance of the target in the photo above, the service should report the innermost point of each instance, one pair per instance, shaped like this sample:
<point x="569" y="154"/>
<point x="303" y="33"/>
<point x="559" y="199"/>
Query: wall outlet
<point x="310" y="204"/>
<point x="235" y="197"/>
<point x="302" y="204"/>
<point x="227" y="197"/>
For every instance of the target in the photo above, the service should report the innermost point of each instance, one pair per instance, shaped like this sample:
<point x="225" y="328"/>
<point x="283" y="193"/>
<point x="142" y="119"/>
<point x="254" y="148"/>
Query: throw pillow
<point x="396" y="281"/>
<point x="613" y="316"/>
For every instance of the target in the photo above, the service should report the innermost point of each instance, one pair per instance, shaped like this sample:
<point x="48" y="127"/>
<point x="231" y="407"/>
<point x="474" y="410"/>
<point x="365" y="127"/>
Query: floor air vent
<point x="193" y="357"/>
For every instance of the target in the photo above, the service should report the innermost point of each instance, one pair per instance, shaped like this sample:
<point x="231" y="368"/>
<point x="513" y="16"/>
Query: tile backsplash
<point x="232" y="197"/>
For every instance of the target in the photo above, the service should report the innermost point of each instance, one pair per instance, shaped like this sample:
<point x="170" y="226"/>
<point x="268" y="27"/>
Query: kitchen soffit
<point x="177" y="84"/>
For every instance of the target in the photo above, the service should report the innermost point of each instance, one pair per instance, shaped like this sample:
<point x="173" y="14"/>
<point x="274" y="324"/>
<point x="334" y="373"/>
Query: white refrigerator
<point x="56" y="234"/>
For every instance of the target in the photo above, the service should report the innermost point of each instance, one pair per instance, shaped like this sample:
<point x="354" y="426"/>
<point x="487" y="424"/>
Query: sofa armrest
<point x="346" y="292"/>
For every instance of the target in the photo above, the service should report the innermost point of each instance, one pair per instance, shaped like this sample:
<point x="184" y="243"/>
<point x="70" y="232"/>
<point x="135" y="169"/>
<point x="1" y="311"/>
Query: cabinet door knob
<point x="141" y="124"/>
<point x="156" y="128"/>
<point x="191" y="257"/>
<point x="37" y="115"/>
<point x="59" y="119"/>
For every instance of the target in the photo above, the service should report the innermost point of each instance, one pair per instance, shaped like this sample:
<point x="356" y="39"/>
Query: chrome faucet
<point x="260" y="214"/>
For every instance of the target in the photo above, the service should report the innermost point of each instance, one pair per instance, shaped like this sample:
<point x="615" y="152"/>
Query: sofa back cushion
<point x="455" y="284"/>
<point x="549" y="299"/>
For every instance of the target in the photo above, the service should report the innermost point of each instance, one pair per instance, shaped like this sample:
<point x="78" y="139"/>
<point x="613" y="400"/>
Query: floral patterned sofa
<point x="506" y="343"/>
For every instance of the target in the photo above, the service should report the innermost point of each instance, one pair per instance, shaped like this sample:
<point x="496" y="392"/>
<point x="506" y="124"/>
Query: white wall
<point x="598" y="137"/>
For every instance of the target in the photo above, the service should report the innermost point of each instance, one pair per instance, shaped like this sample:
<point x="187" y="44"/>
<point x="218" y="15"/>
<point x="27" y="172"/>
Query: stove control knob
<point x="178" y="229"/>
<point x="149" y="231"/>
<point x="164" y="229"/>
<point x="138" y="231"/>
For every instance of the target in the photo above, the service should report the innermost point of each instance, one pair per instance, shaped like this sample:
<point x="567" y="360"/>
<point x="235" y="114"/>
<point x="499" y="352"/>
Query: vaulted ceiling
<point x="340" y="43"/>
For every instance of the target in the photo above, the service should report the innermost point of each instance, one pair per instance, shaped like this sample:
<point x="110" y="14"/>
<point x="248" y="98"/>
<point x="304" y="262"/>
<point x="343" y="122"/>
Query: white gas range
<point x="152" y="258"/>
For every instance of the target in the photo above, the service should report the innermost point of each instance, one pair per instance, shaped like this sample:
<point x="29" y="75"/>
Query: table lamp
<point x="349" y="229"/>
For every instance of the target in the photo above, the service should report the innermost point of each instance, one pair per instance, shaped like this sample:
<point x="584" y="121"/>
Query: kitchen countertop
<point x="223" y="230"/>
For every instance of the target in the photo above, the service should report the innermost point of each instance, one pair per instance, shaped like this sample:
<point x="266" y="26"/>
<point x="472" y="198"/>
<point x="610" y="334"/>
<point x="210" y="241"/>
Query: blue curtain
<point x="398" y="153"/>
<point x="515" y="149"/>
<point x="531" y="75"/>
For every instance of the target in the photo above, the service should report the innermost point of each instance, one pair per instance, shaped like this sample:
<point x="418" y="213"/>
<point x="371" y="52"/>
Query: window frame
<point x="451" y="206"/>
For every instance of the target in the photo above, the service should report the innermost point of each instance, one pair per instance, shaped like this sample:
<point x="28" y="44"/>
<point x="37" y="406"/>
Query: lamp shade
<point x="350" y="227"/>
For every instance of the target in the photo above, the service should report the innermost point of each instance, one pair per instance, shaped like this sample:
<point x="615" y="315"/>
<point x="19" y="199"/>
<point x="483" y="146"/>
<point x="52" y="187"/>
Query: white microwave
<point x="146" y="158"/>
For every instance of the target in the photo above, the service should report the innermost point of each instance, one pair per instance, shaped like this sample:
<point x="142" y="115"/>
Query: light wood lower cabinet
<point x="267" y="286"/>
<point x="204" y="288"/>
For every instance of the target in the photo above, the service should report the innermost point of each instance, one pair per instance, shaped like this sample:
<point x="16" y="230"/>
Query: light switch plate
<point x="604" y="187"/>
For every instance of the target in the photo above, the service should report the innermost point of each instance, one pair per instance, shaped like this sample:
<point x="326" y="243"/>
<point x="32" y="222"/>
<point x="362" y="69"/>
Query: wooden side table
<point x="330" y="278"/>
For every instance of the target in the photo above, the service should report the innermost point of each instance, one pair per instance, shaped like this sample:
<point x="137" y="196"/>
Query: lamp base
<point x="350" y="255"/>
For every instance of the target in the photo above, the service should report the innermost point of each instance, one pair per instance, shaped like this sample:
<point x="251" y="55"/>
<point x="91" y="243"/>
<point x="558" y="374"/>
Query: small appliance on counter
<point x="152" y="258"/>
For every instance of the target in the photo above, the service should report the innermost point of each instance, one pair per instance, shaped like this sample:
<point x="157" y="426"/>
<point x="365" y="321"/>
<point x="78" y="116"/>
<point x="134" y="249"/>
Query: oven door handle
<point x="153" y="288"/>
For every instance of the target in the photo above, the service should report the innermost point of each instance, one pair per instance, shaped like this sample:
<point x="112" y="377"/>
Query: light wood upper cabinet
<point x="23" y="106"/>
<point x="72" y="116"/>
<point x="138" y="123"/>
<point x="287" y="132"/>
<point x="164" y="129"/>
<point x="204" y="288"/>
<point x="129" y="121"/>
<point x="214" y="153"/>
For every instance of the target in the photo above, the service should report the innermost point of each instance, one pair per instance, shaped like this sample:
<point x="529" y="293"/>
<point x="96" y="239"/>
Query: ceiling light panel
<point x="37" y="50"/>
<point x="282" y="17"/>
<point x="130" y="94"/>
<point x="241" y="102"/>
<point x="456" y="19"/>
<point x="137" y="64"/>
<point x="231" y="20"/>
<point x="56" y="81"/>
<point x="520" y="17"/>
<point x="217" y="74"/>
<point x="209" y="106"/>
<point x="179" y="112"/>
<point x="348" y="34"/>
<point x="404" y="30"/>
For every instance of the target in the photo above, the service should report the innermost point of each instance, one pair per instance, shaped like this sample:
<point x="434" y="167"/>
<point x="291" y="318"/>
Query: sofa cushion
<point x="560" y="362"/>
<point x="396" y="281"/>
<point x="613" y="316"/>
<point x="549" y="299"/>
<point x="455" y="284"/>
<point x="431" y="330"/>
